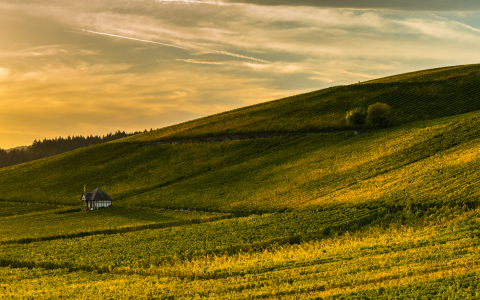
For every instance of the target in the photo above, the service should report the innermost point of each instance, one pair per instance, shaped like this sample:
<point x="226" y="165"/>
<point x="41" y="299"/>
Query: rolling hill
<point x="292" y="204"/>
<point x="416" y="96"/>
<point x="412" y="163"/>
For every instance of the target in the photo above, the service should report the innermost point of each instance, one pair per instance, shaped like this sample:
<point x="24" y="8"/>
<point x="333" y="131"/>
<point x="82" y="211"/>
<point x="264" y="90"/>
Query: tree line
<point x="49" y="147"/>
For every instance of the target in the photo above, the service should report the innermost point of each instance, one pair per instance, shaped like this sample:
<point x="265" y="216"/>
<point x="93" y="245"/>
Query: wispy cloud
<point x="192" y="2"/>
<point x="169" y="45"/>
<point x="203" y="61"/>
<point x="189" y="58"/>
<point x="239" y="56"/>
<point x="427" y="5"/>
<point x="68" y="100"/>
<point x="49" y="50"/>
<point x="130" y="38"/>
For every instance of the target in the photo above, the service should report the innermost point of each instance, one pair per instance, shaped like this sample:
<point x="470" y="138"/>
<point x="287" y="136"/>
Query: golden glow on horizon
<point x="158" y="63"/>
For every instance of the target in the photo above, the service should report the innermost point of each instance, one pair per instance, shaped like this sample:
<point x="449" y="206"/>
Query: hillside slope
<point x="390" y="214"/>
<point x="415" y="96"/>
<point x="431" y="253"/>
<point x="424" y="162"/>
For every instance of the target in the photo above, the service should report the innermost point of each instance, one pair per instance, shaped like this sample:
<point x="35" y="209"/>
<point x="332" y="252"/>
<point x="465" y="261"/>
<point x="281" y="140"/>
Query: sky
<point x="94" y="67"/>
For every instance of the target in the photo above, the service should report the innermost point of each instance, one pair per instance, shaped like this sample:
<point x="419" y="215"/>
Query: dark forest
<point x="49" y="147"/>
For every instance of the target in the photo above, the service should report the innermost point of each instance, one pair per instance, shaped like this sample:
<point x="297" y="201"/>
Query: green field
<point x="297" y="206"/>
<point x="14" y="209"/>
<point x="71" y="222"/>
<point x="242" y="234"/>
<point x="396" y="254"/>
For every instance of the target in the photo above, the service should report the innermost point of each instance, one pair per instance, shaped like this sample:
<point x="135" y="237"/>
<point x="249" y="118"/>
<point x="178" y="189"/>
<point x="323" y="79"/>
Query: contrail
<point x="219" y="3"/>
<point x="147" y="41"/>
<point x="239" y="56"/>
<point x="133" y="39"/>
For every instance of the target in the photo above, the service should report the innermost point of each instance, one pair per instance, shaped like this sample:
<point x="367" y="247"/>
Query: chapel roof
<point x="97" y="194"/>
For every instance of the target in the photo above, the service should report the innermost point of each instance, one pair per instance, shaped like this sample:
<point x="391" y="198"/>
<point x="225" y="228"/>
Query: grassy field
<point x="323" y="214"/>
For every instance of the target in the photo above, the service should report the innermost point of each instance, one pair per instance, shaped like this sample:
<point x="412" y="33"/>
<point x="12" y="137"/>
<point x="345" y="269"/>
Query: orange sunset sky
<point x="93" y="67"/>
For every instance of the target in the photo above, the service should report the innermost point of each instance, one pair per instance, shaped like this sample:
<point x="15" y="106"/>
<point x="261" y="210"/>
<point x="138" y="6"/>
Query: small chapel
<point x="96" y="199"/>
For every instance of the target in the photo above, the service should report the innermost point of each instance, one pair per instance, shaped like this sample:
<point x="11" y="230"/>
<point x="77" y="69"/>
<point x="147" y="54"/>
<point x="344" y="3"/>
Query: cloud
<point x="96" y="99"/>
<point x="136" y="6"/>
<point x="130" y="38"/>
<point x="49" y="50"/>
<point x="180" y="60"/>
<point x="424" y="5"/>
<point x="239" y="56"/>
<point x="203" y="61"/>
<point x="169" y="45"/>
<point x="191" y="2"/>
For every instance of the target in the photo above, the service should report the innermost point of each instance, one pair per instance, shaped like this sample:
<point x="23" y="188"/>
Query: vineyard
<point x="397" y="254"/>
<point x="241" y="234"/>
<point x="451" y="91"/>
<point x="60" y="223"/>
<point x="308" y="211"/>
<point x="15" y="209"/>
<point x="432" y="162"/>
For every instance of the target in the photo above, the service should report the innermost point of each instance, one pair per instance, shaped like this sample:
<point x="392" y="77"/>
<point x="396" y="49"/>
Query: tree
<point x="356" y="117"/>
<point x="379" y="115"/>
<point x="45" y="148"/>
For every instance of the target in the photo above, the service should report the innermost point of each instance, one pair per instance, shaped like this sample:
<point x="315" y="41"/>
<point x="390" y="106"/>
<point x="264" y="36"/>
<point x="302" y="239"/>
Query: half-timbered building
<point x="96" y="199"/>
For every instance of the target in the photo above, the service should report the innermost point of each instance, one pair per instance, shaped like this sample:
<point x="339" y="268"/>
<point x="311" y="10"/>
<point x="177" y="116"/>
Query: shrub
<point x="379" y="115"/>
<point x="356" y="117"/>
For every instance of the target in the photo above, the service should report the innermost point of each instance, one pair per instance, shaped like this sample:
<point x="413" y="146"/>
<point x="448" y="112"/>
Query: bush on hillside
<point x="356" y="117"/>
<point x="379" y="115"/>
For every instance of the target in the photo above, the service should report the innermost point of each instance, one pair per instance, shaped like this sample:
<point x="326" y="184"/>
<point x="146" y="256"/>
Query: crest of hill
<point x="430" y="161"/>
<point x="415" y="96"/>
